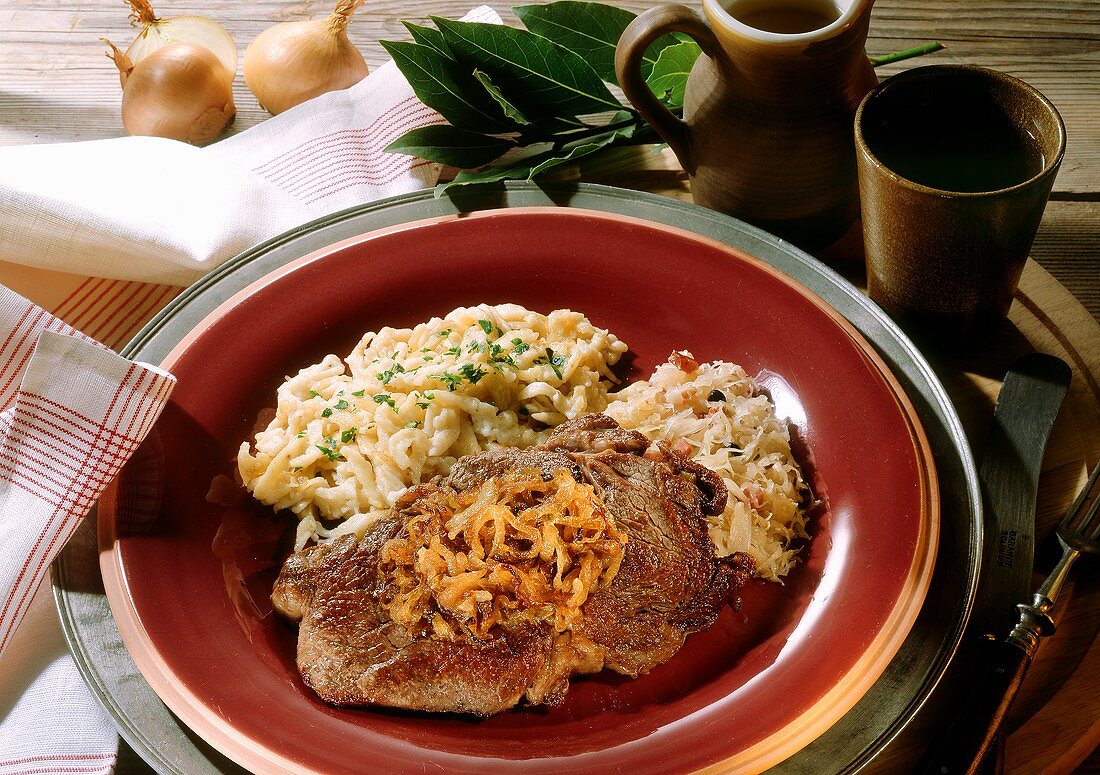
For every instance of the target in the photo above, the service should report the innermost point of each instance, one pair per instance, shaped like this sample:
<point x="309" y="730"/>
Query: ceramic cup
<point x="955" y="166"/>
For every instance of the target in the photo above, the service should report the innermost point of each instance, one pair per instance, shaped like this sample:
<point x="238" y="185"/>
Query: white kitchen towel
<point x="72" y="413"/>
<point x="161" y="211"/>
<point x="49" y="720"/>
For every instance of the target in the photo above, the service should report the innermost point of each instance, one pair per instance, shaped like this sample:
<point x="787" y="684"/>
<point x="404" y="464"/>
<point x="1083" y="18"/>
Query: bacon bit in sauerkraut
<point x="684" y="361"/>
<point x="520" y="548"/>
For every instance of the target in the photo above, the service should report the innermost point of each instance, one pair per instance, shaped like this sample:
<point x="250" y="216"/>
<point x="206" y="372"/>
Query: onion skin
<point x="296" y="61"/>
<point x="180" y="91"/>
<point x="186" y="29"/>
<point x="157" y="32"/>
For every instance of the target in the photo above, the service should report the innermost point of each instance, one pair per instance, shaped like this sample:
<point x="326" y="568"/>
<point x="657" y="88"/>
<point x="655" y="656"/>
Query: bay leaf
<point x="428" y="36"/>
<point x="449" y="87"/>
<point x="535" y="165"/>
<point x="447" y="144"/>
<point x="591" y="30"/>
<point x="490" y="175"/>
<point x="537" y="75"/>
<point x="546" y="124"/>
<point x="670" y="73"/>
<point x="509" y="109"/>
<point x="575" y="153"/>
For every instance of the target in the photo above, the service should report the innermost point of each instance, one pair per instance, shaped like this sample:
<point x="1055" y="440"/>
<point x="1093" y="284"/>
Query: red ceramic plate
<point x="758" y="686"/>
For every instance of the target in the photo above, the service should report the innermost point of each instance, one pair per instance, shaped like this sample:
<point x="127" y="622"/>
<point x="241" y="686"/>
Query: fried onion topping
<point x="520" y="548"/>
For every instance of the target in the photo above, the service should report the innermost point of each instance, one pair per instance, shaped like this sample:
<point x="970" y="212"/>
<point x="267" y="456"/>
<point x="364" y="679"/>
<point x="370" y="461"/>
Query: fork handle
<point x="974" y="731"/>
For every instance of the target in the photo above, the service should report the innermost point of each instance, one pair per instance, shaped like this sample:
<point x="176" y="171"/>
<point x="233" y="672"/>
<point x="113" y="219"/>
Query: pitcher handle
<point x="636" y="38"/>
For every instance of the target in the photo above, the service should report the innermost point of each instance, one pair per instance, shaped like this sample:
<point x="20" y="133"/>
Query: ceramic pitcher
<point x="767" y="133"/>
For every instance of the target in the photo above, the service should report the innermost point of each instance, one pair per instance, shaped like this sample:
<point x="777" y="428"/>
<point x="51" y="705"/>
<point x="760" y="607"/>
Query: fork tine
<point x="1083" y="495"/>
<point x="1077" y="526"/>
<point x="1087" y="528"/>
<point x="1084" y="527"/>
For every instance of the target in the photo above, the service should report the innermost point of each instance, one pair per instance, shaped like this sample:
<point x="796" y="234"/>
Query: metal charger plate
<point x="166" y="744"/>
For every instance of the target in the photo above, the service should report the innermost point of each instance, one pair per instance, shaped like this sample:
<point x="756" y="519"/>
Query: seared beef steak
<point x="669" y="584"/>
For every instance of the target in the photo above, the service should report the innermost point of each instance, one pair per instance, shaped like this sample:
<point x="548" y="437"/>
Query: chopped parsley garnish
<point x="476" y="347"/>
<point x="389" y="373"/>
<point x="473" y="373"/>
<point x="300" y="435"/>
<point x="455" y="351"/>
<point x="486" y="326"/>
<point x="296" y="469"/>
<point x="329" y="451"/>
<point x="382" y="398"/>
<point x="314" y="394"/>
<point x="553" y="360"/>
<point x="430" y="396"/>
<point x="497" y="356"/>
<point x="349" y="435"/>
<point x="359" y="393"/>
<point x="445" y="332"/>
<point x="422" y="404"/>
<point x="519" y="347"/>
<point x="425" y="349"/>
<point x="450" y="380"/>
<point x="327" y="412"/>
<point x="341" y="404"/>
<point x="413" y="424"/>
<point x="428" y="358"/>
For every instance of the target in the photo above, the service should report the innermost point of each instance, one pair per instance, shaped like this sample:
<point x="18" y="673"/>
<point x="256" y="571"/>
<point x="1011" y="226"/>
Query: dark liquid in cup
<point x="982" y="151"/>
<point x="787" y="18"/>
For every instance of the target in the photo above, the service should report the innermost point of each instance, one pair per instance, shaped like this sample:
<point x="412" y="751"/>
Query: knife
<point x="1032" y="392"/>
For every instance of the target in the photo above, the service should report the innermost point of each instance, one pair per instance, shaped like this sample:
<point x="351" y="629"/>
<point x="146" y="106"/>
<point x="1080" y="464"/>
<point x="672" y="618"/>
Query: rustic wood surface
<point x="56" y="85"/>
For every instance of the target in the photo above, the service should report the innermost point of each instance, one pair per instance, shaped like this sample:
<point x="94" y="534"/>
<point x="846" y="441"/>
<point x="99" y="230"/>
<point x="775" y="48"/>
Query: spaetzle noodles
<point x="350" y="435"/>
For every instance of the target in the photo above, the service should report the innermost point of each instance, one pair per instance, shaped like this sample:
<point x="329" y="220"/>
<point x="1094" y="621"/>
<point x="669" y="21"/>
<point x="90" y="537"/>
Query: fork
<point x="1078" y="533"/>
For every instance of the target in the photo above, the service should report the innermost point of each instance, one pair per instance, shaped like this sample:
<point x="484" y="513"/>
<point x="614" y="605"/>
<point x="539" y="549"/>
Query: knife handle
<point x="974" y="731"/>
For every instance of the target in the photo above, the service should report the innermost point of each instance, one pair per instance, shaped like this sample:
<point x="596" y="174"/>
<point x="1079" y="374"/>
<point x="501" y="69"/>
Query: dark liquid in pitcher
<point x="982" y="151"/>
<point x="788" y="18"/>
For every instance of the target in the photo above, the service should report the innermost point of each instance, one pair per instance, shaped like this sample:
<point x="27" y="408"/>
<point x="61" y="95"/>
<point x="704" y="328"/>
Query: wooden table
<point x="56" y="86"/>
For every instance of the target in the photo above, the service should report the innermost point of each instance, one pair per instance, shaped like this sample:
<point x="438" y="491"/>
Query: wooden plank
<point x="55" y="84"/>
<point x="1068" y="246"/>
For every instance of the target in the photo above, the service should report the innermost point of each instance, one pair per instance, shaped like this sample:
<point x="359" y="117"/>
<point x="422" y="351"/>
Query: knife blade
<point x="1028" y="404"/>
<point x="1030" y="397"/>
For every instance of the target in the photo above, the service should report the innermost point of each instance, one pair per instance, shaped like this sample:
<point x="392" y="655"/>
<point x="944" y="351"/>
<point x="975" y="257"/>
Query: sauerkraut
<point x="717" y="415"/>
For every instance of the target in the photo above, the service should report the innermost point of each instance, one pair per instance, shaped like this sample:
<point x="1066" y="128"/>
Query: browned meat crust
<point x="669" y="584"/>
